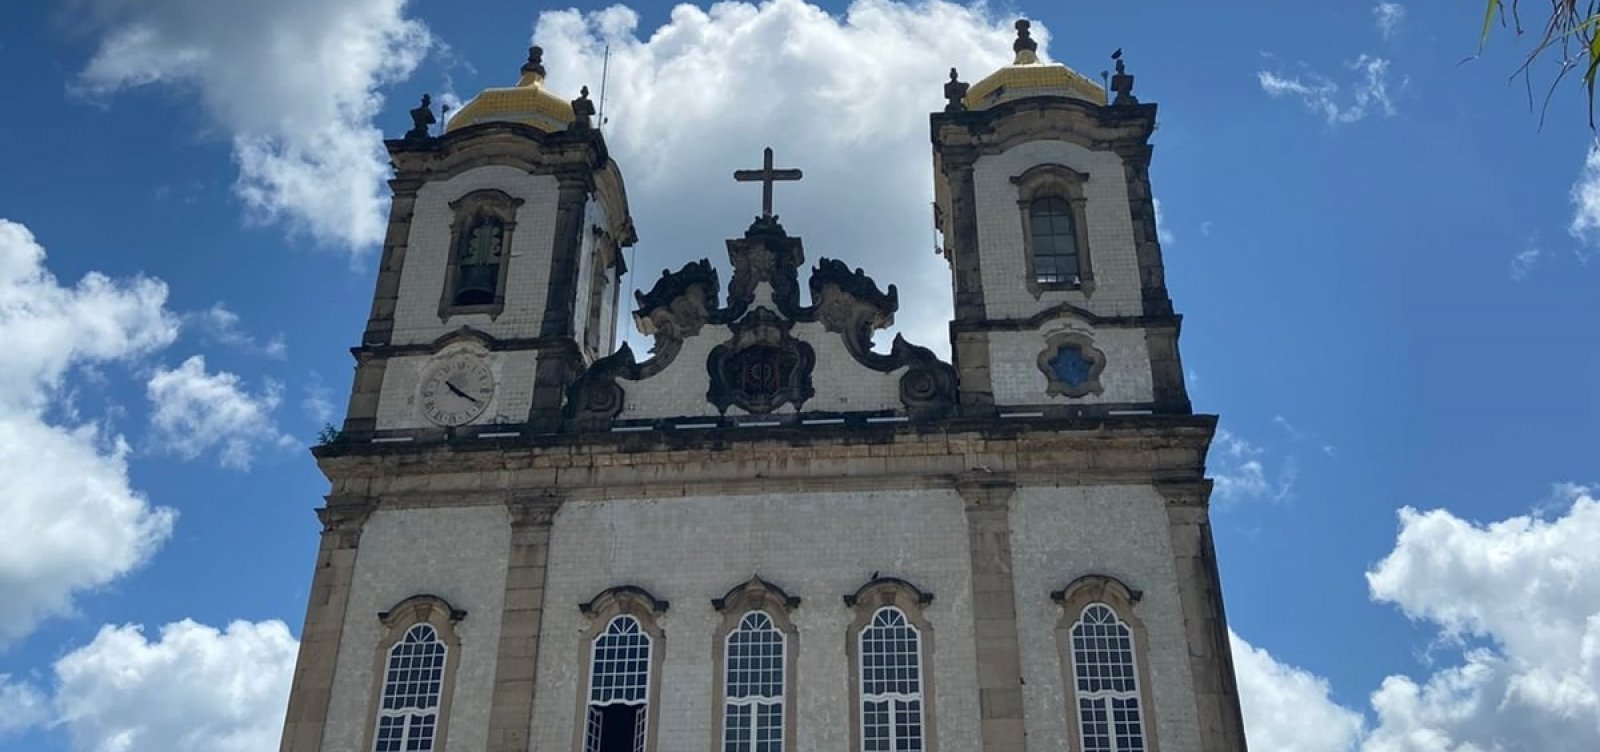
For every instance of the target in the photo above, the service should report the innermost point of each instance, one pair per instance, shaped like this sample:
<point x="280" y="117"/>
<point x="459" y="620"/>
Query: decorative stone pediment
<point x="761" y="349"/>
<point x="762" y="367"/>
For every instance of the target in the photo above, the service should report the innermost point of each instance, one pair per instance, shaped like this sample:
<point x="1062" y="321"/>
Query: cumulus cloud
<point x="1287" y="709"/>
<point x="194" y="411"/>
<point x="1519" y="599"/>
<point x="193" y="689"/>
<point x="293" y="84"/>
<point x="22" y="706"/>
<point x="85" y="525"/>
<point x="844" y="97"/>
<point x="1389" y="17"/>
<point x="1522" y="596"/>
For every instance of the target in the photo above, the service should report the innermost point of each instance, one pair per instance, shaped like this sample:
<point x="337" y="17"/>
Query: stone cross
<point x="767" y="176"/>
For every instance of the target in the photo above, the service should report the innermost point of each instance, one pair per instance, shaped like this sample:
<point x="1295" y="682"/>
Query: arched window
<point x="891" y="684"/>
<point x="413" y="681"/>
<point x="619" y="688"/>
<point x="1054" y="241"/>
<point x="753" y="695"/>
<point x="1107" y="682"/>
<point x="480" y="250"/>
<point x="1052" y="199"/>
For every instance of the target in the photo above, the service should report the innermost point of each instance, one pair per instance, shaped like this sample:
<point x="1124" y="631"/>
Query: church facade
<point x="767" y="535"/>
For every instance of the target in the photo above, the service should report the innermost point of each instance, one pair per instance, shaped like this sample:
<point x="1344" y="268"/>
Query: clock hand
<point x="463" y="395"/>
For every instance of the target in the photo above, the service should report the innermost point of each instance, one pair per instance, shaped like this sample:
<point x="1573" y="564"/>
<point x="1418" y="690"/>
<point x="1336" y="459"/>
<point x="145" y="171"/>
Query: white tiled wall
<point x="1110" y="228"/>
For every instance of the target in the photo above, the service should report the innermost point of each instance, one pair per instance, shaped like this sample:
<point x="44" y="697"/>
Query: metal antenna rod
<point x="605" y="73"/>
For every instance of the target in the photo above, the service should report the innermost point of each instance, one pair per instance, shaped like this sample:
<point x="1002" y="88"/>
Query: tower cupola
<point x="1027" y="76"/>
<point x="528" y="103"/>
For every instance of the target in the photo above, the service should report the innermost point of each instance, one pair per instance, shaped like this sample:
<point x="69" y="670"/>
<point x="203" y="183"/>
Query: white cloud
<point x="194" y="689"/>
<point x="1369" y="92"/>
<point x="1522" y="595"/>
<point x="844" y="97"/>
<point x="1238" y="470"/>
<point x="83" y="524"/>
<point x="1389" y="17"/>
<point x="1586" y="200"/>
<point x="1163" y="233"/>
<point x="1287" y="709"/>
<point x="1523" y="263"/>
<point x="292" y="83"/>
<point x="195" y="411"/>
<point x="22" y="706"/>
<point x="220" y="325"/>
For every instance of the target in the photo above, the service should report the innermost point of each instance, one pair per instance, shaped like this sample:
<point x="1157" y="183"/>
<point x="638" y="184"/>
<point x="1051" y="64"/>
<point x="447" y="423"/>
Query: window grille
<point x="409" y="713"/>
<point x="619" y="688"/>
<point x="1109" y="718"/>
<point x="891" y="684"/>
<point x="1054" y="241"/>
<point x="754" y="665"/>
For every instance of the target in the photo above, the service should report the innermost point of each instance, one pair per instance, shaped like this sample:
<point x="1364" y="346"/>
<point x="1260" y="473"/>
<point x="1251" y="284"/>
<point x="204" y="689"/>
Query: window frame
<point x="881" y="593"/>
<point x="1055" y="181"/>
<point x="1095" y="356"/>
<point x="747" y="597"/>
<point x="602" y="610"/>
<point x="397" y="622"/>
<point x="1075" y="600"/>
<point x="486" y="202"/>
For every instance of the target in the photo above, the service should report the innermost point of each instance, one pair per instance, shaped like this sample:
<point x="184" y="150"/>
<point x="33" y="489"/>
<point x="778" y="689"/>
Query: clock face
<point x="455" y="391"/>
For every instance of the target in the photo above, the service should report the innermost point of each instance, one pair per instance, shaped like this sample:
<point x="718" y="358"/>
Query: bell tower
<point x="1043" y="197"/>
<point x="500" y="270"/>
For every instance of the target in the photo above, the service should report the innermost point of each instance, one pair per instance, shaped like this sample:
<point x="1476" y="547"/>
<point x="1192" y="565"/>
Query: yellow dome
<point x="1027" y="77"/>
<point x="528" y="103"/>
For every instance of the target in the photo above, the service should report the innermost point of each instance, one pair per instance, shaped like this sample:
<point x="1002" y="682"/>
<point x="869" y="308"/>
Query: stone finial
<point x="422" y="118"/>
<point x="1024" y="41"/>
<point x="582" y="111"/>
<point x="1122" y="83"/>
<point x="955" y="93"/>
<point x="535" y="64"/>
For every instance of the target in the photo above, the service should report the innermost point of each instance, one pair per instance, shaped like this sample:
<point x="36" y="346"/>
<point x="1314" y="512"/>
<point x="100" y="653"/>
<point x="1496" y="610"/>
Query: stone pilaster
<point x="324" y="626"/>
<point x="994" y="609"/>
<point x="557" y="367"/>
<point x="516" y="669"/>
<point x="1205" y="625"/>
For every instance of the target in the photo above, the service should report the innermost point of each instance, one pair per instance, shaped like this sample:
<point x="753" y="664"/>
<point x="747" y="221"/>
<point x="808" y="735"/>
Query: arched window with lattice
<point x="622" y="680"/>
<point x="415" y="676"/>
<point x="891" y="684"/>
<point x="1107" y="682"/>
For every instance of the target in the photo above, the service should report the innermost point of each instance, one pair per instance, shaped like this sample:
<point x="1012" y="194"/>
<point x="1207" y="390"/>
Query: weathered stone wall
<point x="455" y="553"/>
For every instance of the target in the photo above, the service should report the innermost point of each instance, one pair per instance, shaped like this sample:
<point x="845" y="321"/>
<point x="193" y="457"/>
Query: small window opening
<point x="1055" y="241"/>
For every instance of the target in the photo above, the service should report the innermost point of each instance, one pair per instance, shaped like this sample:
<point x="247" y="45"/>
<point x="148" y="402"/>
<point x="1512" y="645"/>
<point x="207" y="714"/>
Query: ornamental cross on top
<point x="767" y="175"/>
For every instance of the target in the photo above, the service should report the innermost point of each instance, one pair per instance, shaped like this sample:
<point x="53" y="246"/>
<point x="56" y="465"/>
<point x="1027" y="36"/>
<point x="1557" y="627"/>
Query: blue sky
<point x="1372" y="242"/>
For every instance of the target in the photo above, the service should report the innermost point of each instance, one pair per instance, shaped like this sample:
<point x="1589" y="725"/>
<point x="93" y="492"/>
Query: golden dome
<point x="528" y="103"/>
<point x="1027" y="77"/>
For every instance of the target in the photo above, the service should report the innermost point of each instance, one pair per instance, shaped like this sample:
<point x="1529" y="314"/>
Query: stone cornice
<point x="664" y="464"/>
